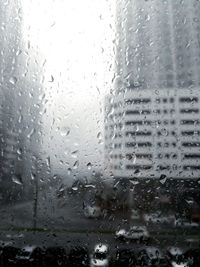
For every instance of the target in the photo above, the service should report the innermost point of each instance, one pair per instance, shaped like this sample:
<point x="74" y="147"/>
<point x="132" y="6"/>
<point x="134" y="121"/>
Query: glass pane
<point x="99" y="132"/>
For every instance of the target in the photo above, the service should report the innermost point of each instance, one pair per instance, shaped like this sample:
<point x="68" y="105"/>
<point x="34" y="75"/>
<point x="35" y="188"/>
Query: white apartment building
<point x="149" y="134"/>
<point x="152" y="120"/>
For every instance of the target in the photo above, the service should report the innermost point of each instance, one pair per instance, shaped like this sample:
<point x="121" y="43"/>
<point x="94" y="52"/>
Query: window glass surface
<point x="99" y="132"/>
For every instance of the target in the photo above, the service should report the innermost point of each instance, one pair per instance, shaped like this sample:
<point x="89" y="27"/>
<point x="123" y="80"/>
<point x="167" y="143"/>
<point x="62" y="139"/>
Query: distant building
<point x="10" y="39"/>
<point x="152" y="120"/>
<point x="21" y="103"/>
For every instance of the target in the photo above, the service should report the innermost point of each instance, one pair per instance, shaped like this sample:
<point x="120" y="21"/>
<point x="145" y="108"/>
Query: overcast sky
<point x="76" y="38"/>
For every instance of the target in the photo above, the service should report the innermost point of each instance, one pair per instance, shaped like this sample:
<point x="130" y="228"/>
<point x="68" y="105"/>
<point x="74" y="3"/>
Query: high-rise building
<point x="152" y="120"/>
<point x="21" y="103"/>
<point x="10" y="39"/>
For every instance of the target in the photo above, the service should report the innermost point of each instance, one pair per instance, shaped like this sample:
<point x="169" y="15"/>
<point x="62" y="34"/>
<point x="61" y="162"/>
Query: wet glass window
<point x="99" y="132"/>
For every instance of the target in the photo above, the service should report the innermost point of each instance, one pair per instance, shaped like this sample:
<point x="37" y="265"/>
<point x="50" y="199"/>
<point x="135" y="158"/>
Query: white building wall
<point x="149" y="133"/>
<point x="152" y="120"/>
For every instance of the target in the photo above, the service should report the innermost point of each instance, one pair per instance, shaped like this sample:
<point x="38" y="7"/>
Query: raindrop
<point x="19" y="151"/>
<point x="28" y="44"/>
<point x="99" y="136"/>
<point x="136" y="128"/>
<point x="136" y="84"/>
<point x="55" y="177"/>
<point x="69" y="171"/>
<point x="66" y="152"/>
<point x="61" y="162"/>
<point x="17" y="179"/>
<point x="42" y="180"/>
<point x="65" y="131"/>
<point x="187" y="45"/>
<point x="76" y="164"/>
<point x="89" y="166"/>
<point x="74" y="153"/>
<point x="41" y="97"/>
<point x="61" y="188"/>
<point x="51" y="79"/>
<point x="134" y="158"/>
<point x="137" y="171"/>
<point x="18" y="52"/>
<point x="13" y="80"/>
<point x="163" y="178"/>
<point x="134" y="182"/>
<point x="20" y="119"/>
<point x="74" y="188"/>
<point x="48" y="161"/>
<point x="33" y="176"/>
<point x="147" y="17"/>
<point x="3" y="26"/>
<point x="116" y="184"/>
<point x="189" y="201"/>
<point x="53" y="24"/>
<point x="98" y="90"/>
<point x="90" y="186"/>
<point x="164" y="132"/>
<point x="31" y="133"/>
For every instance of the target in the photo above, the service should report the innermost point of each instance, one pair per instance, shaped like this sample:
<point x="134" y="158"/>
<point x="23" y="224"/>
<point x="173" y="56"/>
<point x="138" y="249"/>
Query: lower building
<point x="153" y="133"/>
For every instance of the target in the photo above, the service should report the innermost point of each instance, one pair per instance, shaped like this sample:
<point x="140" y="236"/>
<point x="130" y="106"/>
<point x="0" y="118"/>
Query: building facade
<point x="21" y="105"/>
<point x="152" y="120"/>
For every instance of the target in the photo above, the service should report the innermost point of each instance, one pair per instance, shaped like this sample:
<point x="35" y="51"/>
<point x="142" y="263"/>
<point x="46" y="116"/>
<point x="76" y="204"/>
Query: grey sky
<point x="76" y="38"/>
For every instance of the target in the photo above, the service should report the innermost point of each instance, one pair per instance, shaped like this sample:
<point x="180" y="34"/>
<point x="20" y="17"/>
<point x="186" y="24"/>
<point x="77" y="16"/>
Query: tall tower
<point x="152" y="124"/>
<point x="10" y="39"/>
<point x="21" y="104"/>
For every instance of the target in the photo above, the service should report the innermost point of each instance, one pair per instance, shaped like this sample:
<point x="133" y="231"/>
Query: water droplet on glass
<point x="147" y="17"/>
<point x="42" y="180"/>
<point x="136" y="84"/>
<point x="134" y="158"/>
<point x="76" y="164"/>
<point x="137" y="171"/>
<point x="51" y="79"/>
<point x="189" y="201"/>
<point x="61" y="188"/>
<point x="89" y="186"/>
<point x="74" y="153"/>
<point x="116" y="184"/>
<point x="99" y="136"/>
<point x="30" y="133"/>
<point x="74" y="188"/>
<point x="48" y="161"/>
<point x="13" y="80"/>
<point x="20" y="118"/>
<point x="69" y="171"/>
<point x="134" y="182"/>
<point x="28" y="44"/>
<point x="19" y="151"/>
<point x="163" y="178"/>
<point x="66" y="152"/>
<point x="89" y="166"/>
<point x="18" y="52"/>
<point x="164" y="132"/>
<point x="17" y="179"/>
<point x="33" y="176"/>
<point x="136" y="128"/>
<point x="65" y="131"/>
<point x="55" y="177"/>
